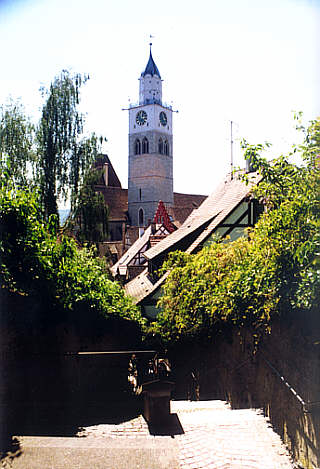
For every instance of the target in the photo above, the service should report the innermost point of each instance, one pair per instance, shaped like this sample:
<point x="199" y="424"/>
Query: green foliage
<point x="250" y="281"/>
<point x="37" y="261"/>
<point x="90" y="218"/>
<point x="65" y="154"/>
<point x="17" y="153"/>
<point x="55" y="155"/>
<point x="51" y="269"/>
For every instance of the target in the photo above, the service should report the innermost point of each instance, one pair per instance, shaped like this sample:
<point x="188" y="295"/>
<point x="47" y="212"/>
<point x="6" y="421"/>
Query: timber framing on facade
<point x="227" y="212"/>
<point x="133" y="260"/>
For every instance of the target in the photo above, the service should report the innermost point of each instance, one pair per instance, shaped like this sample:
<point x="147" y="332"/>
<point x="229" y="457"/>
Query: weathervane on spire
<point x="150" y="43"/>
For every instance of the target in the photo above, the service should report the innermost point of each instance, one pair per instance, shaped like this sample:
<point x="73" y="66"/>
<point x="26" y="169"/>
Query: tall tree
<point x="65" y="154"/>
<point x="17" y="153"/>
<point x="90" y="218"/>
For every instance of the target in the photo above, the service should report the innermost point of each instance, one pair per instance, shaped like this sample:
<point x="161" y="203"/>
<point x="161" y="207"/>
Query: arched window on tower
<point x="166" y="147"/>
<point x="145" y="145"/>
<point x="141" y="217"/>
<point x="137" y="147"/>
<point x="160" y="146"/>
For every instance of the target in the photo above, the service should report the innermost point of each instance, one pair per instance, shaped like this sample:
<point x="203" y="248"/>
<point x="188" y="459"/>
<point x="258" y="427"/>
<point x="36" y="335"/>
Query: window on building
<point x="137" y="147"/>
<point x="140" y="194"/>
<point x="160" y="146"/>
<point x="145" y="145"/>
<point x="166" y="147"/>
<point x="141" y="217"/>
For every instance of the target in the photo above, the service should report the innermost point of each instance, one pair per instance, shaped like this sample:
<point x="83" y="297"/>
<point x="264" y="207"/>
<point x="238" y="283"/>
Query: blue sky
<point x="249" y="61"/>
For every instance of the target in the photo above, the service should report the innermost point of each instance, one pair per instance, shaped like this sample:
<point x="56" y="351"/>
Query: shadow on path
<point x="9" y="450"/>
<point x="61" y="419"/>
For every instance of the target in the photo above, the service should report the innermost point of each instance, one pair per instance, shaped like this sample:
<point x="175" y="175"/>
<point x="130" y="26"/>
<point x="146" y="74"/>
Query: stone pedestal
<point x="157" y="395"/>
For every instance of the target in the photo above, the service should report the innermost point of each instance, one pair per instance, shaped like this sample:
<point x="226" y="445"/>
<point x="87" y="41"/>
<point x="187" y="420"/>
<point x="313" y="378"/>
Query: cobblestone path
<point x="218" y="437"/>
<point x="211" y="436"/>
<point x="215" y="437"/>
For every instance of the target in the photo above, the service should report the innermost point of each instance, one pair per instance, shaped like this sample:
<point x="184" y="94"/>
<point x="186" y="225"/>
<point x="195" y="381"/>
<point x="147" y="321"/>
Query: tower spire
<point x="150" y="172"/>
<point x="151" y="68"/>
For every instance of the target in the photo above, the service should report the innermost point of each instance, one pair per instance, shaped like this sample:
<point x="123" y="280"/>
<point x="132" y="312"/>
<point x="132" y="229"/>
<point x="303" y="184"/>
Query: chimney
<point x="106" y="174"/>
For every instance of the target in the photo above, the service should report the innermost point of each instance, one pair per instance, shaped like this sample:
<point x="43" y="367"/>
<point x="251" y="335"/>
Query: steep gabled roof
<point x="227" y="196"/>
<point x="117" y="201"/>
<point x="109" y="186"/>
<point x="162" y="217"/>
<point x="183" y="205"/>
<point x="141" y="287"/>
<point x="113" y="179"/>
<point x="152" y="235"/>
<point x="213" y="210"/>
<point x="132" y="251"/>
<point x="235" y="193"/>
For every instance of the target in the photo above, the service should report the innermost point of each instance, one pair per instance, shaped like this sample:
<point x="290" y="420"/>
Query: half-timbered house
<point x="225" y="215"/>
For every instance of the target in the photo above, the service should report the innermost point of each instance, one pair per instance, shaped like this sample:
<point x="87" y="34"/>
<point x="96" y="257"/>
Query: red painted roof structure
<point x="162" y="218"/>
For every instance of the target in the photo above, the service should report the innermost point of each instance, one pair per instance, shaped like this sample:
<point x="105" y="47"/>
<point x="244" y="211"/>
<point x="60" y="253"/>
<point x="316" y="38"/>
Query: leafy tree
<point x="17" y="152"/>
<point x="53" y="271"/>
<point x="65" y="154"/>
<point x="250" y="281"/>
<point x="55" y="155"/>
<point x="90" y="217"/>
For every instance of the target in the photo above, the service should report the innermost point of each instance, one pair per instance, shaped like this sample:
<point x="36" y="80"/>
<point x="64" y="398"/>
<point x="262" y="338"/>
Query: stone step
<point x="95" y="453"/>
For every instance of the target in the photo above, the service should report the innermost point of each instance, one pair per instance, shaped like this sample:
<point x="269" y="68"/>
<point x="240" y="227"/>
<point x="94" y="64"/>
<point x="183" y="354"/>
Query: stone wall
<point x="45" y="384"/>
<point x="283" y="378"/>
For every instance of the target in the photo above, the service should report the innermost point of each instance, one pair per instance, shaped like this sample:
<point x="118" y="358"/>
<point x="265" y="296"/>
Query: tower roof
<point x="151" y="68"/>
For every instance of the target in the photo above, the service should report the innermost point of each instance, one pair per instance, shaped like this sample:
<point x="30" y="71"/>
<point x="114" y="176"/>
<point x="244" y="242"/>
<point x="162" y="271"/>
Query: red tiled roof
<point x="184" y="204"/>
<point x="113" y="180"/>
<point x="117" y="201"/>
<point x="117" y="198"/>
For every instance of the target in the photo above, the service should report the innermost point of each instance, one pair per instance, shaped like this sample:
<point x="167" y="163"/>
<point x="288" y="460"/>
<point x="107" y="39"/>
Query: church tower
<point x="150" y="176"/>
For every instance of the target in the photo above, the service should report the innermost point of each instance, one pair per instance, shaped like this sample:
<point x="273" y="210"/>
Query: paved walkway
<point x="213" y="437"/>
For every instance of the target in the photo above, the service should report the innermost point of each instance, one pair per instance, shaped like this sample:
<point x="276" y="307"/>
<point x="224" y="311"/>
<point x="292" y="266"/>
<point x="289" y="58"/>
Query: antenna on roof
<point x="231" y="155"/>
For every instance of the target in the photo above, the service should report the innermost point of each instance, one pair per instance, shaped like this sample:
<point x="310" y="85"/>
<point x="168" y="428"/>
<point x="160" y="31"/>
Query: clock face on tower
<point x="141" y="117"/>
<point x="163" y="118"/>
